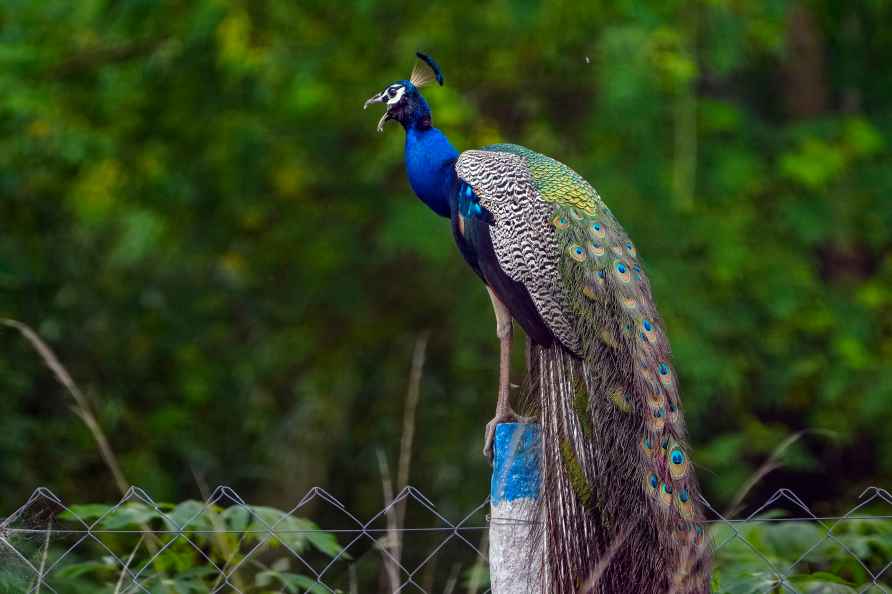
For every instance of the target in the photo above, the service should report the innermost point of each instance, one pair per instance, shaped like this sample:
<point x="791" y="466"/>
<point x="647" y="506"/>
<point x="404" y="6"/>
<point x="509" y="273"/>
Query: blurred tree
<point x="198" y="216"/>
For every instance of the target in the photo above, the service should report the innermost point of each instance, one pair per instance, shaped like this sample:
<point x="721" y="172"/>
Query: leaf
<point x="75" y="570"/>
<point x="190" y="515"/>
<point x="85" y="512"/>
<point x="237" y="517"/>
<point x="327" y="543"/>
<point x="293" y="583"/>
<point x="130" y="516"/>
<point x="814" y="164"/>
<point x="747" y="582"/>
<point x="821" y="583"/>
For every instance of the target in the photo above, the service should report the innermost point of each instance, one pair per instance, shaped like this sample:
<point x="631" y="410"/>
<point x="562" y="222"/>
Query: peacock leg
<point x="504" y="412"/>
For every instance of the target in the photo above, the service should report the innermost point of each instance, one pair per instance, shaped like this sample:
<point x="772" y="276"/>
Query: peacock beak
<point x="379" y="98"/>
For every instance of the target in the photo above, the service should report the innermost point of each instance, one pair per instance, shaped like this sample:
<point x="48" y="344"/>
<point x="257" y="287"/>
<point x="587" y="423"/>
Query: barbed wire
<point x="46" y="542"/>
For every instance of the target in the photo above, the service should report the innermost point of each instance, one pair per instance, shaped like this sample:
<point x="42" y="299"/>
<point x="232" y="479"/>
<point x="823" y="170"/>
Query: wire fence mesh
<point x="223" y="544"/>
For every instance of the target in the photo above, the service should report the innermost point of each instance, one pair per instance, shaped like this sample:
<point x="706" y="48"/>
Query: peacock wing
<point x="524" y="241"/>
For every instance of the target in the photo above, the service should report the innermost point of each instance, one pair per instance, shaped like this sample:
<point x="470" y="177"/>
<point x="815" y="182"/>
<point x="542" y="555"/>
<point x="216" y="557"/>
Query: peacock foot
<point x="508" y="416"/>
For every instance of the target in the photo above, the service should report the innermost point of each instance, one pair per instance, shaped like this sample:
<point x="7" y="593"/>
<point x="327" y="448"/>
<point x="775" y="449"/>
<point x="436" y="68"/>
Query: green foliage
<point x="182" y="548"/>
<point x="755" y="553"/>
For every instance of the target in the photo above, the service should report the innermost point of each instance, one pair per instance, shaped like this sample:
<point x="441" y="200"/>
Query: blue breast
<point x="430" y="165"/>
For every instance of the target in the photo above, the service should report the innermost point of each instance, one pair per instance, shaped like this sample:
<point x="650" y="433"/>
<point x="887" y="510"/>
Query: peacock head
<point x="404" y="103"/>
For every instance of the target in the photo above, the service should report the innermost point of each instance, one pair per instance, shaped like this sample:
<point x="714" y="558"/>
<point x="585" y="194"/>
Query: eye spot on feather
<point x="631" y="249"/>
<point x="648" y="331"/>
<point x="560" y="222"/>
<point x="647" y="446"/>
<point x="651" y="483"/>
<point x="678" y="463"/>
<point x="673" y="412"/>
<point x="622" y="271"/>
<point x="656" y="420"/>
<point x="577" y="253"/>
<point x="698" y="534"/>
<point x="684" y="505"/>
<point x="665" y="374"/>
<point x="666" y="494"/>
<point x="596" y="249"/>
<point x="598" y="230"/>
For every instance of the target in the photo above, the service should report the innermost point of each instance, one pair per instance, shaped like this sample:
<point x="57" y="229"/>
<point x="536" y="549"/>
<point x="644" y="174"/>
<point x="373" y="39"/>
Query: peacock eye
<point x="391" y="92"/>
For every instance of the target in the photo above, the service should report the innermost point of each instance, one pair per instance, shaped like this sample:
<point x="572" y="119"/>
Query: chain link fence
<point x="223" y="544"/>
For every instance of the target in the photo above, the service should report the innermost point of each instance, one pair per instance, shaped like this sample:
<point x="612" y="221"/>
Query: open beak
<point x="379" y="98"/>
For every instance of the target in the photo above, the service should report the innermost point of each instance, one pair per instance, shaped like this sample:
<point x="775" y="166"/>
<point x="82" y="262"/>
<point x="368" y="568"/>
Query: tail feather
<point x="600" y="530"/>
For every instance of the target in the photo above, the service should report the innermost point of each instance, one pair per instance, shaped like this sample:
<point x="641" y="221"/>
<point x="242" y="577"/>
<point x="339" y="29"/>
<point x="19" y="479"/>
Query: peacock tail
<point x="619" y="511"/>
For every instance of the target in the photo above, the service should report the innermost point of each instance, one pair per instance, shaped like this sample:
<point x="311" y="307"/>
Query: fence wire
<point x="223" y="544"/>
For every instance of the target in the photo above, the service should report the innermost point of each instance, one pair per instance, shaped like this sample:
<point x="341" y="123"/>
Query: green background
<point x="197" y="215"/>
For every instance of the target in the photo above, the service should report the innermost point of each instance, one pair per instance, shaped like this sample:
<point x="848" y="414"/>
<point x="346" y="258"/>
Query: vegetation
<point x="192" y="548"/>
<point x="752" y="559"/>
<point x="199" y="218"/>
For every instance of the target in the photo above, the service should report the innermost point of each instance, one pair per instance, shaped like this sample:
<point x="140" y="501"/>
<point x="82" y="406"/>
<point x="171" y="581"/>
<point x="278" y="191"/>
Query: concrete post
<point x="513" y="568"/>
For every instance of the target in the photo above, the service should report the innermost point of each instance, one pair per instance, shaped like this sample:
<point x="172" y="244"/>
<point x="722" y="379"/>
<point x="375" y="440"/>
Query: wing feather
<point x="524" y="241"/>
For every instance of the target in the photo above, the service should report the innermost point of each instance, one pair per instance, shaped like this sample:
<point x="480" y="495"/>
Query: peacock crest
<point x="425" y="71"/>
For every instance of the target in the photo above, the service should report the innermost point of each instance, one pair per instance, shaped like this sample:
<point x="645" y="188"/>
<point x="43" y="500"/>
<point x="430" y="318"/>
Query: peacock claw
<point x="508" y="416"/>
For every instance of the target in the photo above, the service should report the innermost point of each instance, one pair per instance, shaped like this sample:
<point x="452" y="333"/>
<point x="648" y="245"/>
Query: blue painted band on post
<point x="515" y="473"/>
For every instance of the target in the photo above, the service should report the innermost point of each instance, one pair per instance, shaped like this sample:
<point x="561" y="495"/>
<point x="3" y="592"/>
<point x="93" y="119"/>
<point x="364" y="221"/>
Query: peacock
<point x="620" y="507"/>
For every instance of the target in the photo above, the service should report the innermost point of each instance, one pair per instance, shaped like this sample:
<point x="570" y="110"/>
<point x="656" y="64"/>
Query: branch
<point x="81" y="405"/>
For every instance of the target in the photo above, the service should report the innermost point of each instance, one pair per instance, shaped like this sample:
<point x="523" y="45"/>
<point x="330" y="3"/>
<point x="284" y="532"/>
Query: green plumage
<point x="578" y="480"/>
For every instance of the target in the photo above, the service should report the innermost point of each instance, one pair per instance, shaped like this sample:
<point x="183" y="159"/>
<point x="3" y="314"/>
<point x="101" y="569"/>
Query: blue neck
<point x="430" y="160"/>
